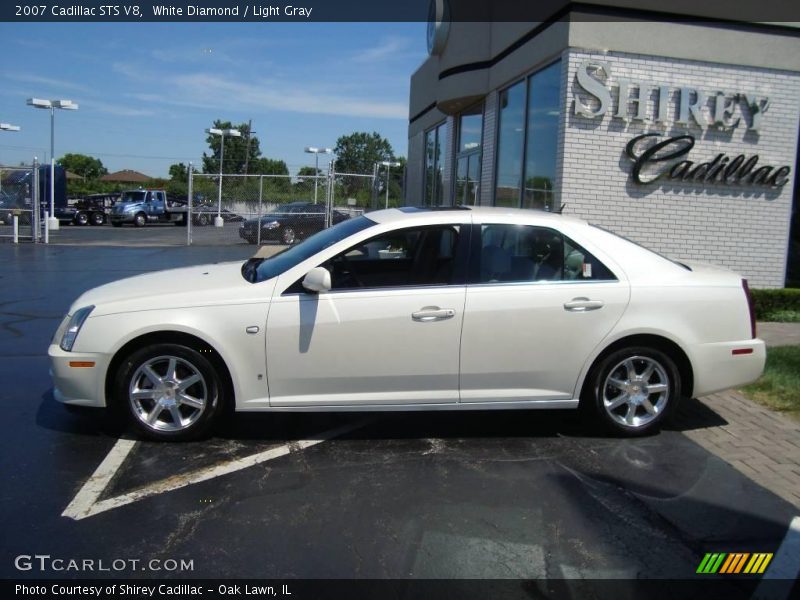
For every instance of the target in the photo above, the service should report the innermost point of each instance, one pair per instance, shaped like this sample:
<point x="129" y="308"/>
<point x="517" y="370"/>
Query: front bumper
<point x="717" y="367"/>
<point x="123" y="218"/>
<point x="73" y="381"/>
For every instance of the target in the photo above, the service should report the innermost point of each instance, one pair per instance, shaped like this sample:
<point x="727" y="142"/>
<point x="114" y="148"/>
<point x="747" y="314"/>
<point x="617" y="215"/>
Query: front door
<point x="387" y="333"/>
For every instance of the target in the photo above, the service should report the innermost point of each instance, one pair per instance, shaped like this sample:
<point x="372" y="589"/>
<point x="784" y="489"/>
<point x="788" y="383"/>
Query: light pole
<point x="218" y="222"/>
<point x="388" y="164"/>
<point x="52" y="105"/>
<point x="6" y="127"/>
<point x="316" y="152"/>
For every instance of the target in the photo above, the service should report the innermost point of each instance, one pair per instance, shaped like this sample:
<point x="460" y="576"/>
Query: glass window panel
<point x="461" y="179"/>
<point x="441" y="141"/>
<point x="405" y="257"/>
<point x="510" y="141"/>
<point x="473" y="180"/>
<point x="544" y="93"/>
<point x="470" y="129"/>
<point x="517" y="253"/>
<point x="430" y="155"/>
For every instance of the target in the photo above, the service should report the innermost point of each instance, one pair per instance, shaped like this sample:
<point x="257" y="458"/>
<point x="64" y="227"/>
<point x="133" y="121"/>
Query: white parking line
<point x="786" y="562"/>
<point x="86" y="503"/>
<point x="85" y="499"/>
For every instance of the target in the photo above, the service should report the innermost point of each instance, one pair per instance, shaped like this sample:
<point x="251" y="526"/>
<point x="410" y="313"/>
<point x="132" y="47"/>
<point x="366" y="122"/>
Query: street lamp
<point x="218" y="222"/>
<point x="52" y="105"/>
<point x="316" y="152"/>
<point x="6" y="127"/>
<point x="388" y="165"/>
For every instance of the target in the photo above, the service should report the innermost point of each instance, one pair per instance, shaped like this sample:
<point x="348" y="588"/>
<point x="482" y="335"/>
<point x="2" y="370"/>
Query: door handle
<point x="583" y="305"/>
<point x="433" y="313"/>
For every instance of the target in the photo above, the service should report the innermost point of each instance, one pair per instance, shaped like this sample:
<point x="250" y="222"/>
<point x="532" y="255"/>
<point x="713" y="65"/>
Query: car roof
<point x="479" y="214"/>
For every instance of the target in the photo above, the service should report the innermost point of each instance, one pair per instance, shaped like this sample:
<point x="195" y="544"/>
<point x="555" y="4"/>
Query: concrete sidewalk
<point x="762" y="444"/>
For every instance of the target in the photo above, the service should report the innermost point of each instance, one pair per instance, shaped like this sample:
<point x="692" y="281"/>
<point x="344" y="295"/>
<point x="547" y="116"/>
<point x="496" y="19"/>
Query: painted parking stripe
<point x="786" y="563"/>
<point x="86" y="503"/>
<point x="87" y="497"/>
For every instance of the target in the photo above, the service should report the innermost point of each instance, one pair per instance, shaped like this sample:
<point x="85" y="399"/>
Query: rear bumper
<point x="724" y="365"/>
<point x="75" y="383"/>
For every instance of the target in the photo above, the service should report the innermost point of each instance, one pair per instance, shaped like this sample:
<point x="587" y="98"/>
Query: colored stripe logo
<point x="734" y="563"/>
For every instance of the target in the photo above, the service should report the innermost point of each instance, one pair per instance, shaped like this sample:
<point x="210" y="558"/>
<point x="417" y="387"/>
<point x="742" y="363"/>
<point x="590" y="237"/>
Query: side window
<point x="579" y="264"/>
<point x="406" y="257"/>
<point x="519" y="253"/>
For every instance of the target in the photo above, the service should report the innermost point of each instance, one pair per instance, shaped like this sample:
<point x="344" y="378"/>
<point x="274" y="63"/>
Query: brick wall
<point x="741" y="227"/>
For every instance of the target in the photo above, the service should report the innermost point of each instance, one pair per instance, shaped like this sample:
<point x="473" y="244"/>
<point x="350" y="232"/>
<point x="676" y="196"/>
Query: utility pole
<point x="247" y="145"/>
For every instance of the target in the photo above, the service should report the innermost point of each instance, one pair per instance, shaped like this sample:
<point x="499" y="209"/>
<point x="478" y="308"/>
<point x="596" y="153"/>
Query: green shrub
<point x="777" y="305"/>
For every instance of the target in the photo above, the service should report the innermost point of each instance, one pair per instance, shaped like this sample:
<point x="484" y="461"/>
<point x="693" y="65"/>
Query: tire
<point x="288" y="236"/>
<point x="116" y="223"/>
<point x="81" y="219"/>
<point x="150" y="390"/>
<point x="633" y="403"/>
<point x="140" y="220"/>
<point x="202" y="219"/>
<point x="97" y="218"/>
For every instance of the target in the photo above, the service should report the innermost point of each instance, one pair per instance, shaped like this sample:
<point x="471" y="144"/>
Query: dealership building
<point x="678" y="134"/>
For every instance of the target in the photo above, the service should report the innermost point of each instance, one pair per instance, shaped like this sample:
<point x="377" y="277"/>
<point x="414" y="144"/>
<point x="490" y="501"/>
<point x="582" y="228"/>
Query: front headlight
<point x="74" y="327"/>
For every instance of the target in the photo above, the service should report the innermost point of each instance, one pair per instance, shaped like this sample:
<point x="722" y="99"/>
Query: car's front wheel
<point x="634" y="390"/>
<point x="288" y="236"/>
<point x="139" y="220"/>
<point x="169" y="392"/>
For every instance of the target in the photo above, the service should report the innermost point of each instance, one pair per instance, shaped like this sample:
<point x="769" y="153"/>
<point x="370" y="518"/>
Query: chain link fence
<point x="20" y="216"/>
<point x="283" y="209"/>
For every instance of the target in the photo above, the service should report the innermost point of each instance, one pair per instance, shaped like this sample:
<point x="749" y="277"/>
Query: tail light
<point x="750" y="308"/>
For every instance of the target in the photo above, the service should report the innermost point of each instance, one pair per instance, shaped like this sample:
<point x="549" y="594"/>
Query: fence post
<point x="189" y="208"/>
<point x="35" y="203"/>
<point x="258" y="213"/>
<point x="15" y="220"/>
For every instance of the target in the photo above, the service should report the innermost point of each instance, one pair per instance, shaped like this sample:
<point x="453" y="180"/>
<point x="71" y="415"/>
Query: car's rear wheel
<point x="169" y="392"/>
<point x="139" y="220"/>
<point x="634" y="390"/>
<point x="98" y="218"/>
<point x="81" y="219"/>
<point x="288" y="236"/>
<point x="202" y="219"/>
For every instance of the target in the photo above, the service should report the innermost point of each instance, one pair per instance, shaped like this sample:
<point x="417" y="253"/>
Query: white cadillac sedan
<point x="414" y="309"/>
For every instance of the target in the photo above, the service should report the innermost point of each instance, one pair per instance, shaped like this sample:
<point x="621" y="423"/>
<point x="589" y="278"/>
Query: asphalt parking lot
<point x="502" y="495"/>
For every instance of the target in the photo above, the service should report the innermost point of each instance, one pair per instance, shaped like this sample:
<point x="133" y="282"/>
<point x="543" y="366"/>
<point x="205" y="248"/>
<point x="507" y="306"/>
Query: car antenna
<point x="561" y="210"/>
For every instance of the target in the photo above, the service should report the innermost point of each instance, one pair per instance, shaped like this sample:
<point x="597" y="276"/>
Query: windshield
<point x="133" y="196"/>
<point x="261" y="269"/>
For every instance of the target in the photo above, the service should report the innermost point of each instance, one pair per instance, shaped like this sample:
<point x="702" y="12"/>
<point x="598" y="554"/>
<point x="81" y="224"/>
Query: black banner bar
<point x="765" y="12"/>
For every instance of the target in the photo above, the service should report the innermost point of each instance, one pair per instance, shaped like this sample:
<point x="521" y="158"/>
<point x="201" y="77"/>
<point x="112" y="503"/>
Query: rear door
<point x="536" y="306"/>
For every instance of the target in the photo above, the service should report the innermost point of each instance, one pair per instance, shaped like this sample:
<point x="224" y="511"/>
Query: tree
<point x="269" y="166"/>
<point x="178" y="172"/>
<point x="359" y="151"/>
<point x="85" y="166"/>
<point x="236" y="149"/>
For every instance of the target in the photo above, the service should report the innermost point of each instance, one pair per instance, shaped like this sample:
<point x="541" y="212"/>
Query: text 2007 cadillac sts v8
<point x="409" y="309"/>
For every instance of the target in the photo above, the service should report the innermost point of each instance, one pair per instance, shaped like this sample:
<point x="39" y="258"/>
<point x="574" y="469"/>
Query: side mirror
<point x="317" y="280"/>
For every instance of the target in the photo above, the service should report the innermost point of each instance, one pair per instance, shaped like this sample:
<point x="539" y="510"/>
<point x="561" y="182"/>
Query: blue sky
<point x="147" y="91"/>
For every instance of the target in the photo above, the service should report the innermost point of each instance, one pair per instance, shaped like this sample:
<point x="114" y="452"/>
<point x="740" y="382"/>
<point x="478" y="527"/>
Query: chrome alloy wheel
<point x="636" y="391"/>
<point x="168" y="393"/>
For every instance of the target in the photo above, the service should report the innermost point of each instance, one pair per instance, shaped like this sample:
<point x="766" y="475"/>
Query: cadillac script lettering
<point x="722" y="169"/>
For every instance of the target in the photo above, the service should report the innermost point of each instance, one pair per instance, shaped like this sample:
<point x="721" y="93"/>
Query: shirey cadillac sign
<point x="655" y="156"/>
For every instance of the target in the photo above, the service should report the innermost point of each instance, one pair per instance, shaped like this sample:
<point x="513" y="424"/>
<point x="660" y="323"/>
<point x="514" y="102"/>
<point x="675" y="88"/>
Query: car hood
<point x="121" y="206"/>
<point x="204" y="285"/>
